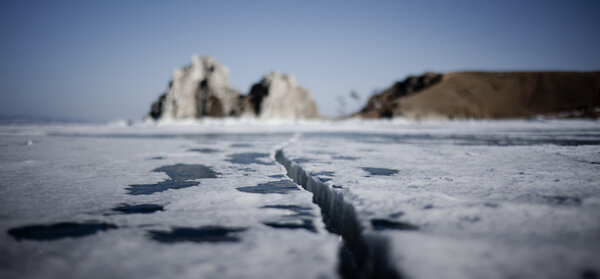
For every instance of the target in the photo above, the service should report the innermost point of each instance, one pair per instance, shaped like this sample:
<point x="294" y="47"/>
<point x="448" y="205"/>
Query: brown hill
<point x="490" y="95"/>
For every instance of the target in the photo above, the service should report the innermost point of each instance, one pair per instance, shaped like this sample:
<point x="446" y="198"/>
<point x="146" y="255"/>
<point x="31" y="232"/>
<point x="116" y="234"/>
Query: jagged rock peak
<point x="197" y="90"/>
<point x="205" y="68"/>
<point x="278" y="96"/>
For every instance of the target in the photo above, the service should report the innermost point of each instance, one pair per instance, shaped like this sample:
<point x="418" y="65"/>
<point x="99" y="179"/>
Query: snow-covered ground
<point x="210" y="199"/>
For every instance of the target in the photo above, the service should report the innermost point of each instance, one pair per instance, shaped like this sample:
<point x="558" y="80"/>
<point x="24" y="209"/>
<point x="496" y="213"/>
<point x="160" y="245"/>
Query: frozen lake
<point x="351" y="199"/>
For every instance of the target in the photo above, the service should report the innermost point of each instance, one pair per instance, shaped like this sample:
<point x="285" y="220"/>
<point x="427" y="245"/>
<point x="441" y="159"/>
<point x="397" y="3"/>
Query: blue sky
<point x="105" y="60"/>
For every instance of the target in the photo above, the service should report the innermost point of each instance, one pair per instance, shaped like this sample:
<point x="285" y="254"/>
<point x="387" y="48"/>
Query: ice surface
<point x="74" y="178"/>
<point x="463" y="199"/>
<point x="472" y="200"/>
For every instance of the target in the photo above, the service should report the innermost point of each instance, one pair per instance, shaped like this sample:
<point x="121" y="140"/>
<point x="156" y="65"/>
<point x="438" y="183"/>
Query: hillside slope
<point x="491" y="95"/>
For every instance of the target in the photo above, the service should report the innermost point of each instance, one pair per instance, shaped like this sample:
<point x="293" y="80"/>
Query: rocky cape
<point x="202" y="90"/>
<point x="489" y="95"/>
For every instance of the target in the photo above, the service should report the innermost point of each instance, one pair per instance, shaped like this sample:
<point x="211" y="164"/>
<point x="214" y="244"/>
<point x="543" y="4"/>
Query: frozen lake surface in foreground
<point x="354" y="199"/>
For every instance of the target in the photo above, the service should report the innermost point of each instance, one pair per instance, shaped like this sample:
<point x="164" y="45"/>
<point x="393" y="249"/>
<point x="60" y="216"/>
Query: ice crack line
<point x="364" y="255"/>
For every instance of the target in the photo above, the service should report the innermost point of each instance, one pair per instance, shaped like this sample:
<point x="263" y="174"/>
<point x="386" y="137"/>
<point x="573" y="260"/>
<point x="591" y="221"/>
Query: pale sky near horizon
<point x="106" y="60"/>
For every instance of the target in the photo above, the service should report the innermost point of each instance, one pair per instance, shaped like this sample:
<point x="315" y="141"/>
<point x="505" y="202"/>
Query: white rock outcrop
<point x="278" y="96"/>
<point x="202" y="89"/>
<point x="197" y="90"/>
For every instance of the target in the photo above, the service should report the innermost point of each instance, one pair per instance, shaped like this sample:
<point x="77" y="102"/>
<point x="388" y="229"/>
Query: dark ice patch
<point x="237" y="145"/>
<point x="203" y="234"/>
<point x="248" y="158"/>
<point x="562" y="200"/>
<point x="384" y="224"/>
<point x="470" y="219"/>
<point x="181" y="177"/>
<point x="247" y="169"/>
<point x="302" y="219"/>
<point x="304" y="224"/>
<point x="157" y="158"/>
<point x="492" y="140"/>
<point x="147" y="189"/>
<point x="549" y="199"/>
<point x="277" y="176"/>
<point x="380" y="171"/>
<point x="288" y="207"/>
<point x="138" y="208"/>
<point x="280" y="187"/>
<point x="491" y="205"/>
<point x="348" y="158"/>
<point x="184" y="172"/>
<point x="58" y="231"/>
<point x="396" y="214"/>
<point x="203" y="150"/>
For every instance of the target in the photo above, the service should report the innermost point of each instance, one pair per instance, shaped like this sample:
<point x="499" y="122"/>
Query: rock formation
<point x="277" y="96"/>
<point x="490" y="95"/>
<point x="197" y="90"/>
<point x="202" y="89"/>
